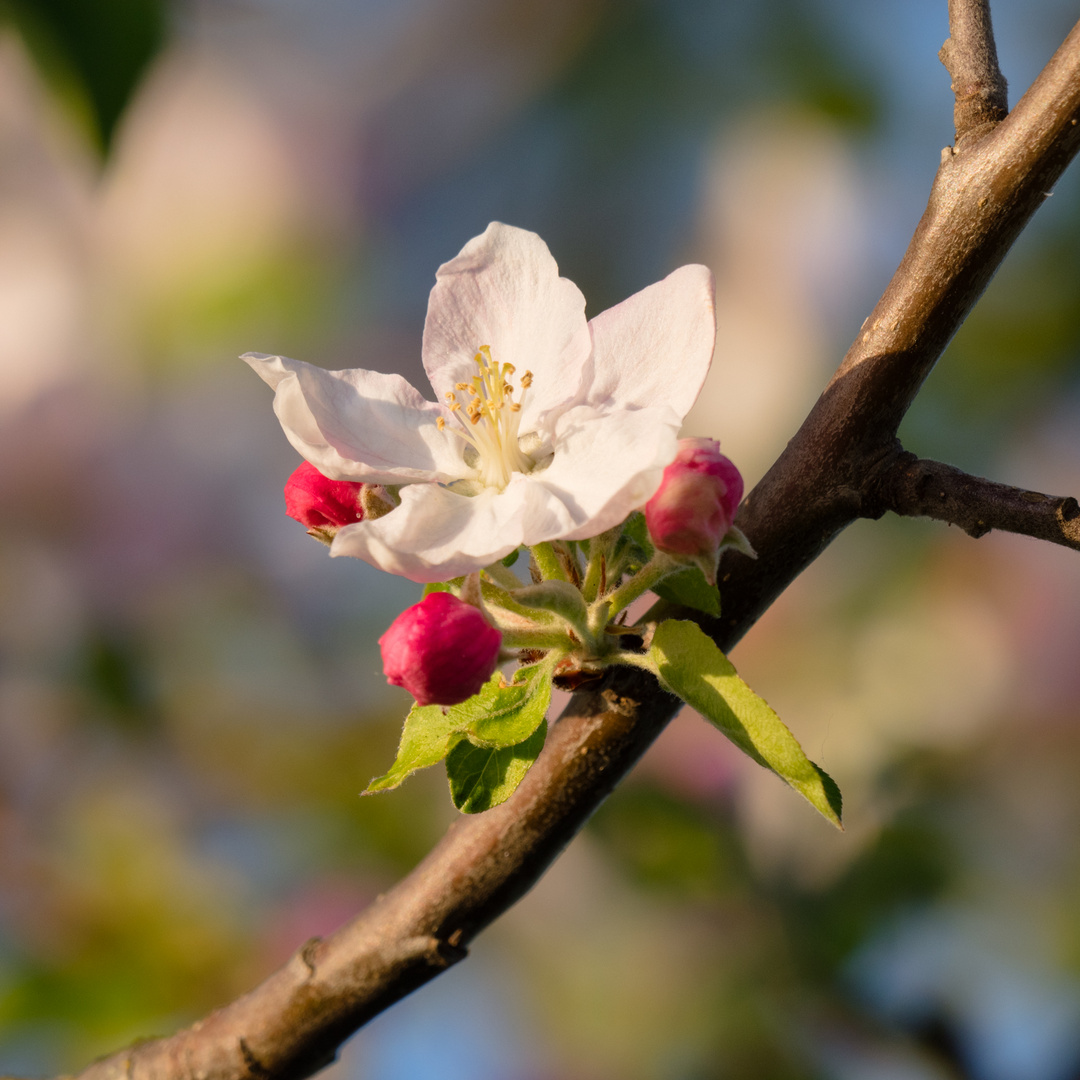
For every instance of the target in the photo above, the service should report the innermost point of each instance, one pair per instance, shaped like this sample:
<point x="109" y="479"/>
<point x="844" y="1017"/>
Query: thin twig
<point x="916" y="487"/>
<point x="980" y="201"/>
<point x="970" y="57"/>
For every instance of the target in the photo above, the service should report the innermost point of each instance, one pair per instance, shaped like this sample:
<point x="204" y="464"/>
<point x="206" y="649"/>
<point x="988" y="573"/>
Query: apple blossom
<point x="441" y="650"/>
<point x="547" y="427"/>
<point x="693" y="510"/>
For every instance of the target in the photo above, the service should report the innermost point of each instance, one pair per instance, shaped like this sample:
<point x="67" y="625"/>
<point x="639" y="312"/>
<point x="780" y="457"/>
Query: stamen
<point x="491" y="400"/>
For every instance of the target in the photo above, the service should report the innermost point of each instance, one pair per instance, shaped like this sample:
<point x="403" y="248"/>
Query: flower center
<point x="490" y="421"/>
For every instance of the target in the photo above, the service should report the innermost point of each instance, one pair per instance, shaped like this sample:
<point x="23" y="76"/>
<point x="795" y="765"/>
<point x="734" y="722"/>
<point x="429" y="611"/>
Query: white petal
<point x="504" y="291"/>
<point x="360" y="425"/>
<point x="436" y="534"/>
<point x="606" y="465"/>
<point x="655" y="347"/>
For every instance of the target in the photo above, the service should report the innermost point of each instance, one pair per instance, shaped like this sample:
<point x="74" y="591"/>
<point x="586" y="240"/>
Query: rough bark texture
<point x="843" y="463"/>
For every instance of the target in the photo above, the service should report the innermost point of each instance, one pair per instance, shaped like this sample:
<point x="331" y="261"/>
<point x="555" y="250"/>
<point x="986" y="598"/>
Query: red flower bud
<point x="694" y="508"/>
<point x="441" y="650"/>
<point x="321" y="503"/>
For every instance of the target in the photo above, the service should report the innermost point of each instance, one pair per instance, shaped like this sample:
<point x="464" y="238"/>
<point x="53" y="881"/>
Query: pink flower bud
<point x="321" y="503"/>
<point x="441" y="650"/>
<point x="694" y="508"/>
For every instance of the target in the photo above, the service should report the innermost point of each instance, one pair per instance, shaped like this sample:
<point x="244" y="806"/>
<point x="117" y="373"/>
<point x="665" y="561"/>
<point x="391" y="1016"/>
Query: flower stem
<point x="502" y="576"/>
<point x="539" y="639"/>
<point x="548" y="562"/>
<point x="657" y="567"/>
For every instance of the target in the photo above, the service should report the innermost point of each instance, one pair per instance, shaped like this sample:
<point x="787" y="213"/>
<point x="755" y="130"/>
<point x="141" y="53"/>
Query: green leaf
<point x="94" y="52"/>
<point x="501" y="715"/>
<point x="690" y="665"/>
<point x="507" y="714"/>
<point x="425" y="740"/>
<point x="689" y="587"/>
<point x="509" y="560"/>
<point x="482" y="777"/>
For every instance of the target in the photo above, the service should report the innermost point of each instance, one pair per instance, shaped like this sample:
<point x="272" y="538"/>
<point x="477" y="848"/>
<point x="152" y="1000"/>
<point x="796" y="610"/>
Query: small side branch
<point x="970" y="56"/>
<point x="916" y="487"/>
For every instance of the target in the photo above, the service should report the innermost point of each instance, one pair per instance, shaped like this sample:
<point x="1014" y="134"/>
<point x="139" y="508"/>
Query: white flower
<point x="548" y="427"/>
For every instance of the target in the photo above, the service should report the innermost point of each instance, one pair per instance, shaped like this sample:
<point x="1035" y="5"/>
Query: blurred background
<point x="190" y="692"/>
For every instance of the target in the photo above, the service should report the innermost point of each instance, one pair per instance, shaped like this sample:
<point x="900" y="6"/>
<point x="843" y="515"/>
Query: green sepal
<point x="482" y="776"/>
<point x="689" y="664"/>
<point x="689" y="588"/>
<point x="509" y="560"/>
<point x="501" y="715"/>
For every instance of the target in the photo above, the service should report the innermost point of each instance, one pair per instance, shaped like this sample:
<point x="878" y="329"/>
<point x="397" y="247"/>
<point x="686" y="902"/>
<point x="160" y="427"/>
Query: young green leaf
<point x="482" y="777"/>
<point x="690" y="588"/>
<point x="501" y="715"/>
<point x="507" y="714"/>
<point x="689" y="664"/>
<point x="425" y="740"/>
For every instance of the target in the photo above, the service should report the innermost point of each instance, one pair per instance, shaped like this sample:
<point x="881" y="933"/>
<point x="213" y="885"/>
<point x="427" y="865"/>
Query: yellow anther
<point x="449" y="395"/>
<point x="491" y="400"/>
<point x="440" y="423"/>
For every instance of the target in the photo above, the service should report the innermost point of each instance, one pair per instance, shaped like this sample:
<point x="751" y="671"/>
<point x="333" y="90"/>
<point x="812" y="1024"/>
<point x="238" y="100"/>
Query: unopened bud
<point x="316" y="500"/>
<point x="441" y="650"/>
<point x="692" y="513"/>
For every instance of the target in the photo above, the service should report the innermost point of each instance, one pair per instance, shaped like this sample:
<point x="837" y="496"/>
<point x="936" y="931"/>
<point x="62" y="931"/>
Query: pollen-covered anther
<point x="493" y="419"/>
<point x="526" y="380"/>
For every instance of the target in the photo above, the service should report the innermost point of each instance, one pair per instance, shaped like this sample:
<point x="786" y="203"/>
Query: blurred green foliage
<point x="93" y="52"/>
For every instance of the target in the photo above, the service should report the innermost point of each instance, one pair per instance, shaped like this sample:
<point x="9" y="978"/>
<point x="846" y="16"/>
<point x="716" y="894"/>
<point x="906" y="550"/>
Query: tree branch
<point x="916" y="487"/>
<point x="983" y="195"/>
<point x="288" y="1027"/>
<point x="970" y="56"/>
